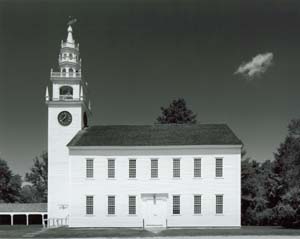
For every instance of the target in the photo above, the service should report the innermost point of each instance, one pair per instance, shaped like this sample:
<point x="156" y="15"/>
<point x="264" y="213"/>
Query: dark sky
<point x="139" y="55"/>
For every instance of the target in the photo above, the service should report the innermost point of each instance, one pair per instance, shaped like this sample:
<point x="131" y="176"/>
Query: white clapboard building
<point x="135" y="175"/>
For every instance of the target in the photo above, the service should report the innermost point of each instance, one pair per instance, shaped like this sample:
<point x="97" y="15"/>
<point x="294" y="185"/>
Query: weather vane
<point x="71" y="21"/>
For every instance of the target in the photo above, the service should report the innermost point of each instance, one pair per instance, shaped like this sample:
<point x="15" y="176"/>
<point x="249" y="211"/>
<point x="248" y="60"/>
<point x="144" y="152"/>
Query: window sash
<point x="89" y="205"/>
<point x="219" y="204"/>
<point x="176" y="168"/>
<point x="132" y="205"/>
<point x="89" y="168"/>
<point x="132" y="168"/>
<point x="111" y="205"/>
<point x="219" y="167"/>
<point x="197" y="204"/>
<point x="176" y="205"/>
<point x="197" y="168"/>
<point x="111" y="168"/>
<point x="154" y="168"/>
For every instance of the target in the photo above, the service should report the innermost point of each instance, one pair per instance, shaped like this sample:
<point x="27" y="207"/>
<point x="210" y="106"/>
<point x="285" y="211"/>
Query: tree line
<point x="32" y="189"/>
<point x="270" y="190"/>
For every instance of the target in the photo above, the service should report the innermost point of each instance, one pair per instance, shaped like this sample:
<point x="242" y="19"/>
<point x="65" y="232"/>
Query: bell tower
<point x="68" y="112"/>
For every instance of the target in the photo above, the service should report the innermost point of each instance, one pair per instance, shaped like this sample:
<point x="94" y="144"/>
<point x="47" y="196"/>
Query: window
<point x="66" y="92"/>
<point x="89" y="168"/>
<point x="132" y="205"/>
<point x="111" y="168"/>
<point x="89" y="205"/>
<point x="219" y="204"/>
<point x="219" y="167"/>
<point x="111" y="201"/>
<point x="154" y="168"/>
<point x="132" y="168"/>
<point x="176" y="168"/>
<point x="197" y="168"/>
<point x="176" y="205"/>
<point x="197" y="204"/>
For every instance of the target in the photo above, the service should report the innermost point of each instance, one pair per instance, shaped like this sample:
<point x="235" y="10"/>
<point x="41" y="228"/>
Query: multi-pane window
<point x="111" y="168"/>
<point x="219" y="167"/>
<point x="176" y="204"/>
<point x="154" y="168"/>
<point x="89" y="205"/>
<point x="111" y="205"/>
<point x="219" y="204"/>
<point x="197" y="168"/>
<point x="89" y="168"/>
<point x="132" y="205"/>
<point x="132" y="168"/>
<point x="197" y="204"/>
<point x="176" y="168"/>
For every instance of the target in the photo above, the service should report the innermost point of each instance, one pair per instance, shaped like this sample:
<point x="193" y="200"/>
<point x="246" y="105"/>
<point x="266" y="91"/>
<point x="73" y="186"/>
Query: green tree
<point x="29" y="195"/>
<point x="177" y="113"/>
<point x="288" y="210"/>
<point x="286" y="169"/>
<point x="10" y="184"/>
<point x="38" y="177"/>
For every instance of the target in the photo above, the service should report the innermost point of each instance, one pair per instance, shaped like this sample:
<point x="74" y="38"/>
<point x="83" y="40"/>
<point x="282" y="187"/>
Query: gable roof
<point x="156" y="135"/>
<point x="23" y="207"/>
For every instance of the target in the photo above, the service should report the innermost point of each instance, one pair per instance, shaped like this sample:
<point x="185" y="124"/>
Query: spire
<point x="70" y="35"/>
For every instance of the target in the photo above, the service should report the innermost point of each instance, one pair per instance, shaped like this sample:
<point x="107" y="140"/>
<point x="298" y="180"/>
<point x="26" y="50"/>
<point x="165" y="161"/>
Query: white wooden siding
<point x="208" y="186"/>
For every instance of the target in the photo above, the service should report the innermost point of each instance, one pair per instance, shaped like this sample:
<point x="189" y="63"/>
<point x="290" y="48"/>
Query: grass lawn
<point x="121" y="232"/>
<point x="20" y="231"/>
<point x="94" y="232"/>
<point x="7" y="231"/>
<point x="247" y="230"/>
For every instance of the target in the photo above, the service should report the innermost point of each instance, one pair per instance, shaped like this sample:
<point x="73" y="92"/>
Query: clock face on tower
<point x="64" y="118"/>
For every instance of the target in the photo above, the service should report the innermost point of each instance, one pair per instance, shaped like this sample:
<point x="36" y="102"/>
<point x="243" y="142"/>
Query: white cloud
<point x="257" y="66"/>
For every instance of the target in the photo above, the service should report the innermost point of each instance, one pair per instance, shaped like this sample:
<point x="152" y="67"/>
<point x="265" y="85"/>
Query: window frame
<point x="111" y="206"/>
<point x="131" y="206"/>
<point x="199" y="169"/>
<point x="66" y="92"/>
<point x="89" y="168"/>
<point x="111" y="169"/>
<point x="176" y="204"/>
<point x="219" y="168"/>
<point x="154" y="170"/>
<point x="89" y="208"/>
<point x="199" y="204"/>
<point x="219" y="205"/>
<point x="176" y="169"/>
<point x="131" y="170"/>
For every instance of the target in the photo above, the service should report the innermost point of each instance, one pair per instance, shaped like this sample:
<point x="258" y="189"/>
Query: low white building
<point x="135" y="175"/>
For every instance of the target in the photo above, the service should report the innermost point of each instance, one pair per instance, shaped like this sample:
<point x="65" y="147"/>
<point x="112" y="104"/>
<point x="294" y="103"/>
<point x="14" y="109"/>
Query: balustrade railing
<point x="65" y="74"/>
<point x="56" y="222"/>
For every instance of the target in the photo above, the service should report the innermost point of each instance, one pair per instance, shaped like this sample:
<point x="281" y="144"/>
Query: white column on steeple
<point x="81" y="93"/>
<point x="47" y="94"/>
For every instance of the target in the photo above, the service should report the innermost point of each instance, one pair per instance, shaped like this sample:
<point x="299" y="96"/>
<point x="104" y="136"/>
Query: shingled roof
<point x="23" y="207"/>
<point x="156" y="135"/>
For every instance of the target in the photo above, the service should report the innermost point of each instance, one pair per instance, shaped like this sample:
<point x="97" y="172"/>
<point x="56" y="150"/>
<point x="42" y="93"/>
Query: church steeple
<point x="69" y="59"/>
<point x="68" y="85"/>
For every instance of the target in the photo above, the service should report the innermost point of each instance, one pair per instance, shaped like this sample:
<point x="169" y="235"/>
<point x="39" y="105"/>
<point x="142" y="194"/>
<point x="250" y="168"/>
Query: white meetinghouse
<point x="135" y="175"/>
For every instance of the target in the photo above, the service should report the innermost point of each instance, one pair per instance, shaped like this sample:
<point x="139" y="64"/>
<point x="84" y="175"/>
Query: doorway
<point x="154" y="210"/>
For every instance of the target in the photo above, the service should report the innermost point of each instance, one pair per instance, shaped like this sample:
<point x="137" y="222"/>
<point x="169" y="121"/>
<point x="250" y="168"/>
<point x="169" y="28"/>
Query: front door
<point x="155" y="209"/>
